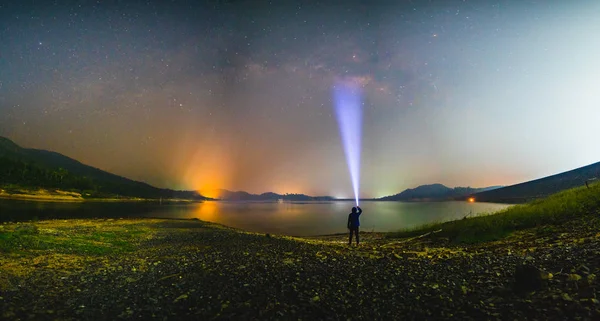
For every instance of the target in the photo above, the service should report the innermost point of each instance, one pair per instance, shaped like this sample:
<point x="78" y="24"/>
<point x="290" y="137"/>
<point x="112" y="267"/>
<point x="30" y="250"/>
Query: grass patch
<point x="75" y="237"/>
<point x="556" y="209"/>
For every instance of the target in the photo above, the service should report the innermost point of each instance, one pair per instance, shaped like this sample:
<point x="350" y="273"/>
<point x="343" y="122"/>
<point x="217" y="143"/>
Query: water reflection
<point x="206" y="211"/>
<point x="311" y="218"/>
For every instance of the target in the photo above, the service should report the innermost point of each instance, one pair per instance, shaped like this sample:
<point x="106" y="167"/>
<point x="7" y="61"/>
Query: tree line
<point x="28" y="174"/>
<point x="19" y="173"/>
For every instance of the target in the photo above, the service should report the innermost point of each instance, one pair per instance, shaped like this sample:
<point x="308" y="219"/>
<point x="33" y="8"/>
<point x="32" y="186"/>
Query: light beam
<point x="347" y="103"/>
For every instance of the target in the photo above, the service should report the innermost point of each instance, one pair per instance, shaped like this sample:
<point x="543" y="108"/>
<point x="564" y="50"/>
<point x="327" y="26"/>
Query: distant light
<point x="471" y="199"/>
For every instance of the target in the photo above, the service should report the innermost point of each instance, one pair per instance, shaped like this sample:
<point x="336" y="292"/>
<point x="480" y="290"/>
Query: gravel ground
<point x="201" y="271"/>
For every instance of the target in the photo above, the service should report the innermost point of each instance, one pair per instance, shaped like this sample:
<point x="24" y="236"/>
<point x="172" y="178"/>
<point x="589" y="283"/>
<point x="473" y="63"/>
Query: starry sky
<point x="238" y="94"/>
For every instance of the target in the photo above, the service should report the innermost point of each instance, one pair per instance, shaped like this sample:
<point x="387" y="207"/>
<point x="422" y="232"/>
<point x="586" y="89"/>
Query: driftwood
<point x="412" y="238"/>
<point x="591" y="180"/>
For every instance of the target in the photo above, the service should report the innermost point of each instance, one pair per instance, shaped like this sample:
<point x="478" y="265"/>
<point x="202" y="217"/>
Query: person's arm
<point x="359" y="210"/>
<point x="348" y="221"/>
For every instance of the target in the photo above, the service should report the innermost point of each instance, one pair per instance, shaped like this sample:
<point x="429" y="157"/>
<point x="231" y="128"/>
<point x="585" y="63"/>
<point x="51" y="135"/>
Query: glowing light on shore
<point x="348" y="112"/>
<point x="471" y="199"/>
<point x="208" y="170"/>
<point x="210" y="192"/>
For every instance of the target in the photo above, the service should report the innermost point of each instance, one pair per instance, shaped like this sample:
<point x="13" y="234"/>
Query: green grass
<point x="89" y="240"/>
<point x="556" y="209"/>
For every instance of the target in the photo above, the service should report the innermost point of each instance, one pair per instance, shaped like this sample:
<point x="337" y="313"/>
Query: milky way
<point x="238" y="96"/>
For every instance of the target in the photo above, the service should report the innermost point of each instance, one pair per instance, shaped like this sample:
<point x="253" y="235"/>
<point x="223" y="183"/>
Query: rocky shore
<point x="177" y="269"/>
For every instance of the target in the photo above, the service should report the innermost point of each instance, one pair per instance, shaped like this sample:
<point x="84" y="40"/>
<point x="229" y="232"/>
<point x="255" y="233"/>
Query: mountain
<point x="35" y="168"/>
<point x="434" y="192"/>
<point x="269" y="196"/>
<point x="539" y="188"/>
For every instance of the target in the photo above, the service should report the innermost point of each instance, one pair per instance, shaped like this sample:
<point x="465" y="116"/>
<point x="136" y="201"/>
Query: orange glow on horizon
<point x="288" y="188"/>
<point x="207" y="172"/>
<point x="210" y="192"/>
<point x="471" y="199"/>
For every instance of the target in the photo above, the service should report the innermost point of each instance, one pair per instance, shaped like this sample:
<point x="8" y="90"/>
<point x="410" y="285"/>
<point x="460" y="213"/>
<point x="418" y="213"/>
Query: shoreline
<point x="57" y="195"/>
<point x="72" y="197"/>
<point x="67" y="199"/>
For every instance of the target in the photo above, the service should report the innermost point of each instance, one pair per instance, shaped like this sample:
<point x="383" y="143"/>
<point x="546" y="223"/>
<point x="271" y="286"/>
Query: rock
<point x="527" y="278"/>
<point x="566" y="297"/>
<point x="591" y="278"/>
<point x="181" y="297"/>
<point x="584" y="269"/>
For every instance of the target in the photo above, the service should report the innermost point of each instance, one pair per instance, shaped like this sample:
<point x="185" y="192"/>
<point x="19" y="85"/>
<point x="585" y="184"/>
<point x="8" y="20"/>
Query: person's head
<point x="354" y="210"/>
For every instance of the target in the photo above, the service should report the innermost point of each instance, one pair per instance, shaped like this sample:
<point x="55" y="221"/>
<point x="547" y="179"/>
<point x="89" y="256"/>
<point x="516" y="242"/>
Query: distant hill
<point x="434" y="192"/>
<point x="539" y="188"/>
<point x="269" y="196"/>
<point x="35" y="168"/>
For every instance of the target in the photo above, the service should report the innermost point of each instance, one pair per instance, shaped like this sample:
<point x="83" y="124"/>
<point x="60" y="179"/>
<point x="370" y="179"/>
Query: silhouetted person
<point x="354" y="223"/>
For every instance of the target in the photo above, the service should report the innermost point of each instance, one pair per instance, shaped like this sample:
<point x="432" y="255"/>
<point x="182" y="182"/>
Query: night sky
<point x="237" y="95"/>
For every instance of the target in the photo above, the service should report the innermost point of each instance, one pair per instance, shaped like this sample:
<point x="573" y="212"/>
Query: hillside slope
<point x="34" y="168"/>
<point x="268" y="196"/>
<point x="540" y="188"/>
<point x="434" y="192"/>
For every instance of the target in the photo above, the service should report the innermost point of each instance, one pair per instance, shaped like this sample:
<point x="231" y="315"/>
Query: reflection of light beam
<point x="349" y="115"/>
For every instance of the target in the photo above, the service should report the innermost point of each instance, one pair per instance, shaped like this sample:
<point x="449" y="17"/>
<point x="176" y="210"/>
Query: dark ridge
<point x="540" y="188"/>
<point x="35" y="168"/>
<point x="434" y="192"/>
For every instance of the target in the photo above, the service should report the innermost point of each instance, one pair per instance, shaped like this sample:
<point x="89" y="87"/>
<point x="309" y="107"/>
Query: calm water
<point x="277" y="218"/>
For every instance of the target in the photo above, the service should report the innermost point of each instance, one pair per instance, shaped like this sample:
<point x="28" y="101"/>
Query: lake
<point x="298" y="219"/>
